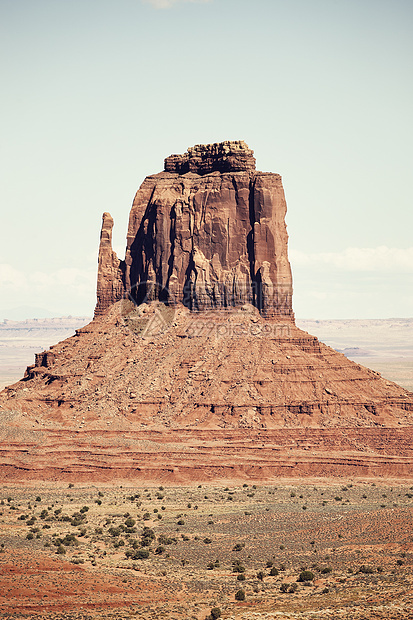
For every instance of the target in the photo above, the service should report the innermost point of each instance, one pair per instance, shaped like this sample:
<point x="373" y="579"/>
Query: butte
<point x="193" y="368"/>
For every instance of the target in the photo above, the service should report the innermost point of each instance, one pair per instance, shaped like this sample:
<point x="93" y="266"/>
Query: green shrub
<point x="306" y="575"/>
<point x="326" y="570"/>
<point x="260" y="575"/>
<point x="115" y="531"/>
<point x="241" y="577"/>
<point x="240" y="595"/>
<point x="165" y="540"/>
<point x="141" y="554"/>
<point x="273" y="572"/>
<point x="366" y="570"/>
<point x="215" y="613"/>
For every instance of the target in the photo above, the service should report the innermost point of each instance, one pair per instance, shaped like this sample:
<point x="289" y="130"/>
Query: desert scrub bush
<point x="77" y="519"/>
<point x="180" y="522"/>
<point x="61" y="550"/>
<point x="273" y="571"/>
<point x="366" y="570"/>
<point x="147" y="537"/>
<point x="237" y="567"/>
<point x="166" y="540"/>
<point x="215" y="613"/>
<point x="240" y="595"/>
<point x="241" y="577"/>
<point x="238" y="547"/>
<point x="30" y="536"/>
<point x="70" y="540"/>
<point x="260" y="575"/>
<point x="326" y="570"/>
<point x="207" y="541"/>
<point x="306" y="575"/>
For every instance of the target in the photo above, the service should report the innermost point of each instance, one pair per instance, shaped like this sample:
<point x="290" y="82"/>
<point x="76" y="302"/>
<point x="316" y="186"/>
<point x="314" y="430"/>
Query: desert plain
<point x="313" y="550"/>
<point x="75" y="550"/>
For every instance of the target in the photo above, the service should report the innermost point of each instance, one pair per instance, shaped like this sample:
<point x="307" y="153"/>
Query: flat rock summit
<point x="193" y="367"/>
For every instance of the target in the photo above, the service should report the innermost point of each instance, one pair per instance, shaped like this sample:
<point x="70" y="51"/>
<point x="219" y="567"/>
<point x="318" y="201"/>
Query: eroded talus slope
<point x="153" y="391"/>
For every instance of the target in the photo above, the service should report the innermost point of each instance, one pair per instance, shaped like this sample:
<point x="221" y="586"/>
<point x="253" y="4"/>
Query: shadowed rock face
<point x="209" y="231"/>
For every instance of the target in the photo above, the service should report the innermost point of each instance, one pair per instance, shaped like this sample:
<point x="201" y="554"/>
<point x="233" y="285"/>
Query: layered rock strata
<point x="200" y="396"/>
<point x="208" y="232"/>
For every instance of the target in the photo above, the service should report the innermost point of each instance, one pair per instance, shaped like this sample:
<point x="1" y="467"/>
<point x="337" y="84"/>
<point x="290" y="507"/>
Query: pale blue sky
<point x="95" y="93"/>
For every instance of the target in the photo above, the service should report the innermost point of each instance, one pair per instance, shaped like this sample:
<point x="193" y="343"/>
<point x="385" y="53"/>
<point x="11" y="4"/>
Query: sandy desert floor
<point x="179" y="552"/>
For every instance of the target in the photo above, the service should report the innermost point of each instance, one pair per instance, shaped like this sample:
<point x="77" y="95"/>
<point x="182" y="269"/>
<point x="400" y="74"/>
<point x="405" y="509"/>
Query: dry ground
<point x="72" y="552"/>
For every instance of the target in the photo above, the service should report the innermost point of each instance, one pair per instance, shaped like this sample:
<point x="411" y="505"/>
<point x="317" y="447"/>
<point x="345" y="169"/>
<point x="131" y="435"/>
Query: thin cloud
<point x="380" y="259"/>
<point x="167" y="4"/>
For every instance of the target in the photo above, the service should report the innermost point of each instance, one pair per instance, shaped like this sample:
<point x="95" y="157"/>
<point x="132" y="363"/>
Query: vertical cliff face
<point x="209" y="231"/>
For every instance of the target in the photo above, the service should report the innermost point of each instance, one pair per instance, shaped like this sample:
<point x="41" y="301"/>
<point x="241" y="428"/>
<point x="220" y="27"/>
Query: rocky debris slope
<point x="155" y="393"/>
<point x="208" y="232"/>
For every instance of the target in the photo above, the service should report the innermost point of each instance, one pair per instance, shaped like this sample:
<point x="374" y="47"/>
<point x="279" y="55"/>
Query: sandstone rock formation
<point x="201" y="373"/>
<point x="110" y="270"/>
<point x="209" y="232"/>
